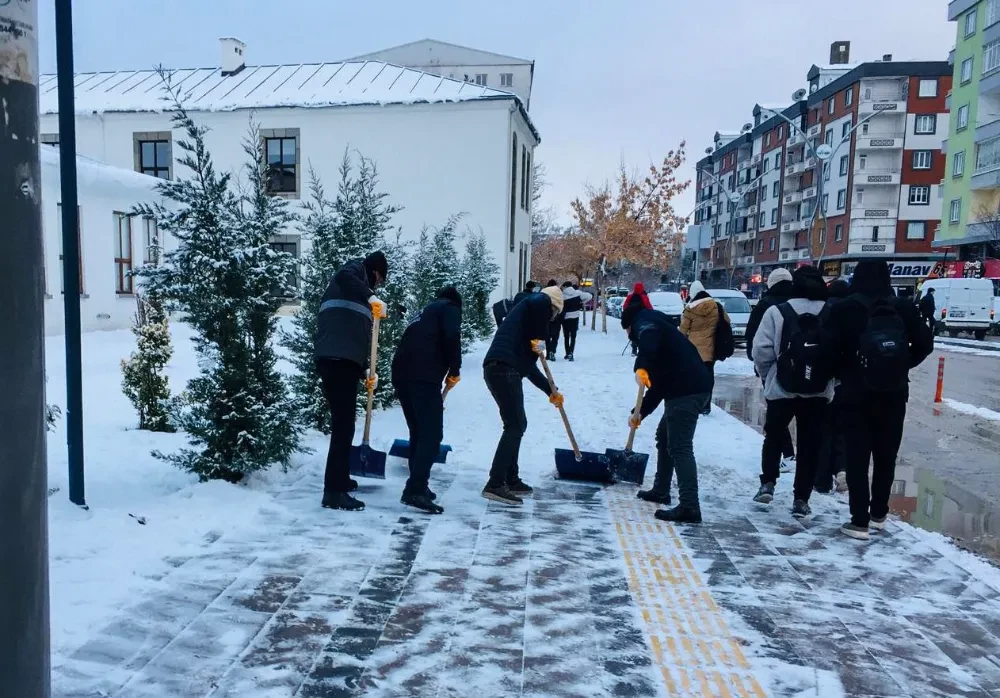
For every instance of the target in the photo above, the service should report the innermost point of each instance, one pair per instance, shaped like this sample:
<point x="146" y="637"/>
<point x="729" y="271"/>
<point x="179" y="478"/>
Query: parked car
<point x="669" y="303"/>
<point x="615" y="306"/>
<point x="737" y="307"/>
<point x="962" y="305"/>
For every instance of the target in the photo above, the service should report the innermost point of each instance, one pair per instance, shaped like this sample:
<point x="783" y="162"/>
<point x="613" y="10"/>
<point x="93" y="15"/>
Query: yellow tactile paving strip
<point x="693" y="647"/>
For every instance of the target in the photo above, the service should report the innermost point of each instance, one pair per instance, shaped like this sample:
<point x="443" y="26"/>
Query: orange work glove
<point x="371" y="382"/>
<point x="557" y="399"/>
<point x="642" y="377"/>
<point x="378" y="307"/>
<point x="538" y="346"/>
<point x="634" y="420"/>
<point x="452" y="381"/>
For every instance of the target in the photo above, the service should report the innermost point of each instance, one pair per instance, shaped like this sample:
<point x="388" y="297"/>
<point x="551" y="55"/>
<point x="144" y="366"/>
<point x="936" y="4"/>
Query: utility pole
<point x="24" y="586"/>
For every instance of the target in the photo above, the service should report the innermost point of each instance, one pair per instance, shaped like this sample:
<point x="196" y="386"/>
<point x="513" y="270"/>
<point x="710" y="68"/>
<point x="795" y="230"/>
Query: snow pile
<point x="983" y="412"/>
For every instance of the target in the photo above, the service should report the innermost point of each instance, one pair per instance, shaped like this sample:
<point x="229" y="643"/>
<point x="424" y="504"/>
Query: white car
<point x="737" y="307"/>
<point x="669" y="303"/>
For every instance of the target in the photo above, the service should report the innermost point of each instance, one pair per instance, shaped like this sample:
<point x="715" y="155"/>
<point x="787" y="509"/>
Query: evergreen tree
<point x="479" y="275"/>
<point x="143" y="380"/>
<point x="436" y="262"/>
<point x="220" y="278"/>
<point x="397" y="294"/>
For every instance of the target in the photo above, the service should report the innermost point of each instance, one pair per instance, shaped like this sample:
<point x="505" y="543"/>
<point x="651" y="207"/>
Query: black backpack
<point x="804" y="365"/>
<point x="724" y="345"/>
<point x="884" y="348"/>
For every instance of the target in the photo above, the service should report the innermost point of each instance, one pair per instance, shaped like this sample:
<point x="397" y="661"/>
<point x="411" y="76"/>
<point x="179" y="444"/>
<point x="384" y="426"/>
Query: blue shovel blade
<point x="592" y="467"/>
<point x="365" y="461"/>
<point x="401" y="449"/>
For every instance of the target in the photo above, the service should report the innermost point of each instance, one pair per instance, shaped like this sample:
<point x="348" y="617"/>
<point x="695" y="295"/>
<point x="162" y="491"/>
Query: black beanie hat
<point x="376" y="261"/>
<point x="450" y="293"/>
<point x="871" y="278"/>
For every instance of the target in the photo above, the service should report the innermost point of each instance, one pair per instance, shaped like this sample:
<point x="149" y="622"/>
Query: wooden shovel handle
<point x="372" y="361"/>
<point x="562" y="412"/>
<point x="632" y="430"/>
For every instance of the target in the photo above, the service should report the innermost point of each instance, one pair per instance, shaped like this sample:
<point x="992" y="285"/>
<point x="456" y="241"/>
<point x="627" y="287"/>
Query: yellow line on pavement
<point x="692" y="644"/>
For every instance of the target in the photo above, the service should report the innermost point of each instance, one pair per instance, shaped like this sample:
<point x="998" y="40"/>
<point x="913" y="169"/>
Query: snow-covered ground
<point x="973" y="410"/>
<point x="103" y="562"/>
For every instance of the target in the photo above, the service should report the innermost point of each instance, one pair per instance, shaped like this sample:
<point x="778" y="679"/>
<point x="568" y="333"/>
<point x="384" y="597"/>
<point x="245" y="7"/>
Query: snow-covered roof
<point x="255" y="87"/>
<point x="92" y="172"/>
<point x="444" y="52"/>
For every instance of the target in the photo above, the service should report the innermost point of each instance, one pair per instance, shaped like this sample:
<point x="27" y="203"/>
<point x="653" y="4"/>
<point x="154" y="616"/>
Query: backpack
<point x="804" y="365"/>
<point x="724" y="345"/>
<point x="884" y="348"/>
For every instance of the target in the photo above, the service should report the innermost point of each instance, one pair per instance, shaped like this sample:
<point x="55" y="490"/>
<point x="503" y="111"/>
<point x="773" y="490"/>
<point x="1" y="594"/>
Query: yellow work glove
<point x="378" y="307"/>
<point x="538" y="346"/>
<point x="452" y="381"/>
<point x="371" y="382"/>
<point x="634" y="420"/>
<point x="642" y="377"/>
<point x="557" y="399"/>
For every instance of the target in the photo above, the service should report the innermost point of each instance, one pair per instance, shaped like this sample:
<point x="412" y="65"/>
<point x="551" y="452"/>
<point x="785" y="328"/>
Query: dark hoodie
<point x="779" y="293"/>
<point x="431" y="347"/>
<point x="344" y="322"/>
<point x="848" y="318"/>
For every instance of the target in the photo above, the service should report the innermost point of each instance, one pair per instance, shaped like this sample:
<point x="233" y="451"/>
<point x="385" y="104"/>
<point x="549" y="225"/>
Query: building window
<point x="513" y="190"/>
<point x="844" y="164"/>
<point x="992" y="13"/>
<point x="767" y="138"/>
<point x="781" y="132"/>
<point x="922" y="159"/>
<point x="761" y="220"/>
<point x="826" y="202"/>
<point x="774" y="216"/>
<point x="928" y="87"/>
<point x="524" y="172"/>
<point x="767" y="165"/>
<point x="859" y="196"/>
<point x="845" y="129"/>
<point x="282" y="156"/>
<point x="728" y="225"/>
<point x="481" y="79"/>
<point x="774" y="189"/>
<point x="506" y="79"/>
<point x="991" y="57"/>
<point x="865" y="127"/>
<point x="988" y="156"/>
<point x="925" y="125"/>
<point x="831" y="105"/>
<point x="862" y="162"/>
<point x="970" y="23"/>
<point x="916" y="230"/>
<point x="829" y="136"/>
<point x="760" y="246"/>
<point x="966" y="70"/>
<point x="826" y="172"/>
<point x="838" y="233"/>
<point x="763" y="194"/>
<point x="151" y="241"/>
<point x="920" y="196"/>
<point x="841" y="199"/>
<point x="79" y="251"/>
<point x="874" y="233"/>
<point x="153" y="155"/>
<point x="49" y="139"/>
<point x="777" y="160"/>
<point x="849" y="97"/>
<point x="528" y="180"/>
<point x="289" y="287"/>
<point x="123" y="253"/>
<point x="955" y="212"/>
<point x="958" y="164"/>
<point x="770" y="244"/>
<point x="963" y="118"/>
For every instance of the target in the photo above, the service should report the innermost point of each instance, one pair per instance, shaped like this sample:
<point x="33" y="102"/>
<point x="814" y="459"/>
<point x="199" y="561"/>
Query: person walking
<point x="502" y="307"/>
<point x="832" y="471"/>
<point x="698" y="323"/>
<point x="798" y="382"/>
<point x="779" y="290"/>
<point x="429" y="353"/>
<point x="512" y="357"/>
<point x="638" y="291"/>
<point x="673" y="373"/>
<point x="552" y="337"/>
<point x="341" y="347"/>
<point x="573" y="301"/>
<point x="928" y="309"/>
<point x="875" y="340"/>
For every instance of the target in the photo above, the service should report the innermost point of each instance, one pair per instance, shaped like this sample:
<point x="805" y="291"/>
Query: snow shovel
<point x="576" y="464"/>
<point x="401" y="447"/>
<point x="627" y="465"/>
<point x="365" y="461"/>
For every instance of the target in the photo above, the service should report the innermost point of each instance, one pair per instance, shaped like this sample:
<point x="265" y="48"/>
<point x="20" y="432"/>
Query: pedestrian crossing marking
<point x="691" y="642"/>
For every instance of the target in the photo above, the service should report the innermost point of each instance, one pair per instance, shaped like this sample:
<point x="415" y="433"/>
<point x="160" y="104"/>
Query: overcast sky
<point x="613" y="80"/>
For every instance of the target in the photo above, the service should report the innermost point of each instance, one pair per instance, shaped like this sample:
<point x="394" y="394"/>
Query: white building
<point x="112" y="242"/>
<point x="442" y="146"/>
<point x="461" y="63"/>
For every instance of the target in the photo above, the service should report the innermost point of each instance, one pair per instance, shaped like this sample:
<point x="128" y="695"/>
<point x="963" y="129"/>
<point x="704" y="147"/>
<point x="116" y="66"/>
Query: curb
<point x="986" y="346"/>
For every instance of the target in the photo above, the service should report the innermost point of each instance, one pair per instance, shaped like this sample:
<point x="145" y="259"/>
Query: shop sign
<point x="831" y="268"/>
<point x="901" y="269"/>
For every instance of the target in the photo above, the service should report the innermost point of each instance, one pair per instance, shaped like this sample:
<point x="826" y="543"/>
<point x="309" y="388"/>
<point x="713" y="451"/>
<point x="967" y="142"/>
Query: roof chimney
<point x="840" y="53"/>
<point x="233" y="55"/>
<point x="887" y="58"/>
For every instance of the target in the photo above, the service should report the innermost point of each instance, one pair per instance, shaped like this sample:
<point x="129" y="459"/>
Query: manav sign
<point x="898" y="269"/>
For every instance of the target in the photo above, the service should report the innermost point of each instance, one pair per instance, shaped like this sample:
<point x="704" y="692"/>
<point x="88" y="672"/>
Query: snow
<point x="983" y="412"/>
<point x="966" y="350"/>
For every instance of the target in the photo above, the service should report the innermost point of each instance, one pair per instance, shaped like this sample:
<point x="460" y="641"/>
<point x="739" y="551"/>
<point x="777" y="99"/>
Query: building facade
<point x="878" y="195"/>
<point x="442" y="147"/>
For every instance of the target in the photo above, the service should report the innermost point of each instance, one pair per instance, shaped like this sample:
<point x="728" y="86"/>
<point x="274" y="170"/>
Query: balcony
<point x="888" y="177"/>
<point x="752" y="223"/>
<point x="874" y="210"/>
<point x="811" y="162"/>
<point x="796" y="168"/>
<point x="815" y="131"/>
<point x="744" y="261"/>
<point x="893" y="101"/>
<point x="987" y="129"/>
<point x="792" y="198"/>
<point x="755" y="160"/>
<point x="881" y="141"/>
<point x="809" y="193"/>
<point x="794" y="254"/>
<point x="795" y="139"/>
<point x="883" y="246"/>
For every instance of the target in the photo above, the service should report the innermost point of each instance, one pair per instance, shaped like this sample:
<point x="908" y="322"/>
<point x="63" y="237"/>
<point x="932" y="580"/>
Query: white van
<point x="962" y="305"/>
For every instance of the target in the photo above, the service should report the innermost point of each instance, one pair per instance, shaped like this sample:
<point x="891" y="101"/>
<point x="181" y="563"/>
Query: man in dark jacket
<point x="673" y="373"/>
<point x="429" y="353"/>
<point x="552" y="338"/>
<point x="341" y="346"/>
<point x="502" y="307"/>
<point x="874" y="339"/>
<point x="513" y="356"/>
<point x="780" y="289"/>
<point x="928" y="308"/>
<point x="832" y="470"/>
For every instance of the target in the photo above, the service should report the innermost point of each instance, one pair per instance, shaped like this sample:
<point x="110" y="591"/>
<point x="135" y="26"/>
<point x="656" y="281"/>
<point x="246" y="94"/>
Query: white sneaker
<point x="841" y="482"/>
<point x="877" y="524"/>
<point x="787" y="464"/>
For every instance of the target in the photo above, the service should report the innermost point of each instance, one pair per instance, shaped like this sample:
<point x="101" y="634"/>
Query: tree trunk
<point x="604" y="313"/>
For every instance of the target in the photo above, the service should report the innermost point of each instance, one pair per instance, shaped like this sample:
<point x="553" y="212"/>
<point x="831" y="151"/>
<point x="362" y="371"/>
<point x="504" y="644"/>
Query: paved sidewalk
<point x="579" y="593"/>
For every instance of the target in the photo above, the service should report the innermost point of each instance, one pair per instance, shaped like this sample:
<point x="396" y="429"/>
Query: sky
<point x="614" y="81"/>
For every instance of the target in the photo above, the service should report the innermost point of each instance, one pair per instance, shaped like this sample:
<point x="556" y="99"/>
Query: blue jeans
<point x="675" y="447"/>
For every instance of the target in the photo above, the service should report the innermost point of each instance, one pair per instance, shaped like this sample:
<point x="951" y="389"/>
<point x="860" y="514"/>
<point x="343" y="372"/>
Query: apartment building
<point x="971" y="199"/>
<point x="879" y="189"/>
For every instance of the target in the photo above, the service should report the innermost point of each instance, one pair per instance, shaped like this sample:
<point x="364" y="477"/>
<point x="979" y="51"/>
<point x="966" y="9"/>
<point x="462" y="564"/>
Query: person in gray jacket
<point x="573" y="301"/>
<point x="341" y="346"/>
<point x="788" y="353"/>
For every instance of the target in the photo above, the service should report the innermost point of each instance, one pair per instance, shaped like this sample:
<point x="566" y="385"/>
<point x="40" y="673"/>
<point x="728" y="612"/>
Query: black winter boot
<point x="651" y="495"/>
<point x="342" y="500"/>
<point x="352" y="484"/>
<point x="679" y="514"/>
<point x="421" y="501"/>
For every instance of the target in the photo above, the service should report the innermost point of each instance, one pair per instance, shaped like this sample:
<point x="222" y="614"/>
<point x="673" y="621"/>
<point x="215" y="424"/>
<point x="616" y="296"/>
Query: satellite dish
<point x="824" y="152"/>
<point x="746" y="127"/>
<point x="798" y="95"/>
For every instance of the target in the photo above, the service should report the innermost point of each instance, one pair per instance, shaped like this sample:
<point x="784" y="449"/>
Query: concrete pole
<point x="24" y="589"/>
